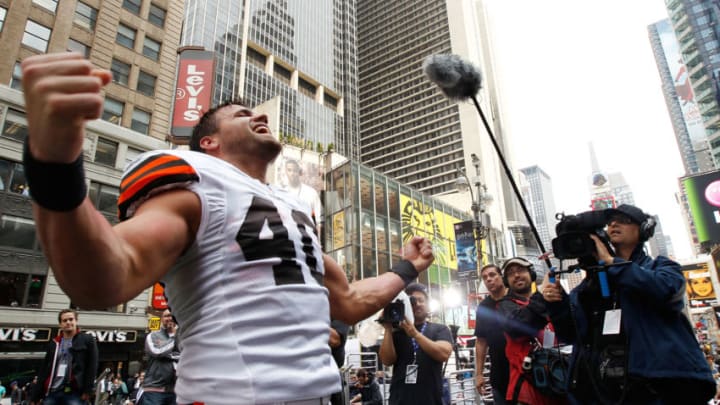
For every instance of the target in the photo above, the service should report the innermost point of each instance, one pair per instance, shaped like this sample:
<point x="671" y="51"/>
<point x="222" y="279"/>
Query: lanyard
<point x="415" y="344"/>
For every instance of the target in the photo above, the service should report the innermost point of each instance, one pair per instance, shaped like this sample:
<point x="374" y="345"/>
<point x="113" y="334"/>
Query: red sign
<point x="193" y="94"/>
<point x="158" y="297"/>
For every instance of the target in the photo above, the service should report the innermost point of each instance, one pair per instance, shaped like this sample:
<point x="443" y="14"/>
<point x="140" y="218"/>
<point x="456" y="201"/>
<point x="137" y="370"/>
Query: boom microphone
<point x="460" y="80"/>
<point x="456" y="78"/>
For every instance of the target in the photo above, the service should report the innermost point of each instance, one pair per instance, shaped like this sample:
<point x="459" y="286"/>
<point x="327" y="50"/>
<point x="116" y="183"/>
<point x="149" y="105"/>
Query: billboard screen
<point x="193" y="92"/>
<point x="699" y="287"/>
<point x="703" y="197"/>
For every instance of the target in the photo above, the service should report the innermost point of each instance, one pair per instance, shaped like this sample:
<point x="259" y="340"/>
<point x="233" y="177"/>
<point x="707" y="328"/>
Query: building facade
<point x="137" y="41"/>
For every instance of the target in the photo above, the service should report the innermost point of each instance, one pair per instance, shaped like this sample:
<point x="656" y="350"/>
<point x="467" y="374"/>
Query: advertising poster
<point x="466" y="250"/>
<point x="700" y="291"/>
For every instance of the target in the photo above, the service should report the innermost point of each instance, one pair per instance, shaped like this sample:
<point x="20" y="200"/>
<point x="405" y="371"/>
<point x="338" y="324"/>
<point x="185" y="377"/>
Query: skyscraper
<point x="680" y="99"/>
<point x="300" y="51"/>
<point x="695" y="25"/>
<point x="541" y="203"/>
<point x="408" y="129"/>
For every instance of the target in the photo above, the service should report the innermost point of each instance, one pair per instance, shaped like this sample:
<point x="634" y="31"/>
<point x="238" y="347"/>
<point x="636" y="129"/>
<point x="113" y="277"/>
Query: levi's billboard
<point x="193" y="92"/>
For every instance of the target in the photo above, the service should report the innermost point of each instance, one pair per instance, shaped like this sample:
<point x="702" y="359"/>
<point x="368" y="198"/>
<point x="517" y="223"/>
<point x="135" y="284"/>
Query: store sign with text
<point x="20" y="334"/>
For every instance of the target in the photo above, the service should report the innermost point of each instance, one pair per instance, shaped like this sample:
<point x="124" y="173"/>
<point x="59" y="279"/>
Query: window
<point x="106" y="152"/>
<point x="15" y="126"/>
<point x="131" y="155"/>
<point x="151" y="48"/>
<point x="21" y="289"/>
<point x="146" y="83"/>
<point x="120" y="71"/>
<point x="75" y="46"/>
<point x="50" y="5"/>
<point x="12" y="178"/>
<point x="157" y="16"/>
<point x="132" y="5"/>
<point x="113" y="111"/>
<point x="36" y="36"/>
<point x="17" y="232"/>
<point x="16" y="80"/>
<point x="141" y="121"/>
<point x="125" y="36"/>
<point x="3" y="15"/>
<point x="104" y="197"/>
<point x="85" y="16"/>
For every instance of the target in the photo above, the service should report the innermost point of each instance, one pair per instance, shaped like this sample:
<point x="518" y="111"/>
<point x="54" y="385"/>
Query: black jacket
<point x="82" y="372"/>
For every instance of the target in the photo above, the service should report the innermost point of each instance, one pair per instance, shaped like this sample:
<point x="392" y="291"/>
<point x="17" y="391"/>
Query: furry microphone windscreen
<point x="457" y="78"/>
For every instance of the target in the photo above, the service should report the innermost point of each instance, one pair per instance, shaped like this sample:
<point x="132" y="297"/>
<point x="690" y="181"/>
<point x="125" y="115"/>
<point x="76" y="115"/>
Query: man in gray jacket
<point x="160" y="346"/>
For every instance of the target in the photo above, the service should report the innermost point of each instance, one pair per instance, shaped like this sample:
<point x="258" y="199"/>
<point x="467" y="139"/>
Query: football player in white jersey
<point x="245" y="276"/>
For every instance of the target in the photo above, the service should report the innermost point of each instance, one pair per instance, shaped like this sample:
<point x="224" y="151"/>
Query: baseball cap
<point x="631" y="211"/>
<point x="516" y="260"/>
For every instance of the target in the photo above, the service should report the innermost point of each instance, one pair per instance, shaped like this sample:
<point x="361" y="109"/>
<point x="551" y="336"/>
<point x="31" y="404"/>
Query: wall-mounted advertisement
<point x="681" y="79"/>
<point x="703" y="197"/>
<point x="466" y="250"/>
<point x="193" y="92"/>
<point x="700" y="291"/>
<point x="423" y="220"/>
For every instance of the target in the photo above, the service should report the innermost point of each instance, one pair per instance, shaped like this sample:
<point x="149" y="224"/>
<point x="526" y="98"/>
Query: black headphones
<point x="647" y="228"/>
<point x="521" y="262"/>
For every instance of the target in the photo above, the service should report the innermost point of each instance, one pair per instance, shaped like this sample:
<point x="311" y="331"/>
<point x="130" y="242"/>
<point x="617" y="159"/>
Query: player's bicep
<point x="161" y="229"/>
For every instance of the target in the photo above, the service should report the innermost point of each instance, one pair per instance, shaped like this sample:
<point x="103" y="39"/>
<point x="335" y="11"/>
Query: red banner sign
<point x="193" y="94"/>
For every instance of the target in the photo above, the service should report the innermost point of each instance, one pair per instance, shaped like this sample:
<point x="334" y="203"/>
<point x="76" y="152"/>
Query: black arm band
<point x="406" y="271"/>
<point x="55" y="186"/>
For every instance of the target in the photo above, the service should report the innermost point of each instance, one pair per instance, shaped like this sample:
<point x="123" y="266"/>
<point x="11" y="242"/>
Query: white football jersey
<point x="248" y="295"/>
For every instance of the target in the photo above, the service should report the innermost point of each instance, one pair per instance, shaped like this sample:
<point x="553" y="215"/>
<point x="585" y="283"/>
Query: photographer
<point x="417" y="353"/>
<point x="633" y="344"/>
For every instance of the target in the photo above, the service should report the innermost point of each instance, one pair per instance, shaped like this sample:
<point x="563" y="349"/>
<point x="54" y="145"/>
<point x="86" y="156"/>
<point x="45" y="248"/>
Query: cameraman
<point x="417" y="353"/>
<point x="635" y="346"/>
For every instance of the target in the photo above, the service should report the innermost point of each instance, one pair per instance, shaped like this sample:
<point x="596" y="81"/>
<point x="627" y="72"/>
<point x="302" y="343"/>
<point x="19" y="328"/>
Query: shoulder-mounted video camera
<point x="573" y="237"/>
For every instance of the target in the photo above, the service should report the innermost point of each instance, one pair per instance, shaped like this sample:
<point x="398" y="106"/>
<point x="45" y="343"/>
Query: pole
<point x="512" y="181"/>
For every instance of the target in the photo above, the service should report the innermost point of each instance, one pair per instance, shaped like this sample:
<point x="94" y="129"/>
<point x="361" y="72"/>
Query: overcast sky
<point x="571" y="72"/>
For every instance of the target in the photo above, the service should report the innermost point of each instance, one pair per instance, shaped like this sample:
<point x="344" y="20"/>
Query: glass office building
<point x="369" y="217"/>
<point x="300" y="51"/>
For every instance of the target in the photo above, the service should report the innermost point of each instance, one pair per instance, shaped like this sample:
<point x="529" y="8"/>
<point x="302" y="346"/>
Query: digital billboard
<point x="703" y="197"/>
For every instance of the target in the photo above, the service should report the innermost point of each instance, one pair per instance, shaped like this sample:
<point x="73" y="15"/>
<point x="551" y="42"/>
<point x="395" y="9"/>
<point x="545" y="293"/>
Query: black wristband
<point x="406" y="271"/>
<point x="55" y="186"/>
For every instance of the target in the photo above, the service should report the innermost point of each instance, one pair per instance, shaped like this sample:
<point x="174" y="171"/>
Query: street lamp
<point x="480" y="199"/>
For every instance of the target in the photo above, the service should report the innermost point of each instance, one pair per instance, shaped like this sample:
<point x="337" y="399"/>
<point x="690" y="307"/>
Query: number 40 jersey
<point x="248" y="295"/>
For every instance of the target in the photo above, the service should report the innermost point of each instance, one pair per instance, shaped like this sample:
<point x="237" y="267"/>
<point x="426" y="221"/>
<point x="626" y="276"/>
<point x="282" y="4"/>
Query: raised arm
<point x="62" y="92"/>
<point x="354" y="302"/>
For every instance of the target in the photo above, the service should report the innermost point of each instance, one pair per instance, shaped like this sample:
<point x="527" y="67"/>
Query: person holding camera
<point x="416" y="352"/>
<point x="489" y="337"/>
<point x="524" y="320"/>
<point x="632" y="341"/>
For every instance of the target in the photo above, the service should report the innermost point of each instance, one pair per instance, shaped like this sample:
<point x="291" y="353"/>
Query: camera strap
<point x="415" y="344"/>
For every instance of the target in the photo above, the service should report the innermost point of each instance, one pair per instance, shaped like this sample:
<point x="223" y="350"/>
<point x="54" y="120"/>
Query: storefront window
<point x="21" y="289"/>
<point x="380" y="198"/>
